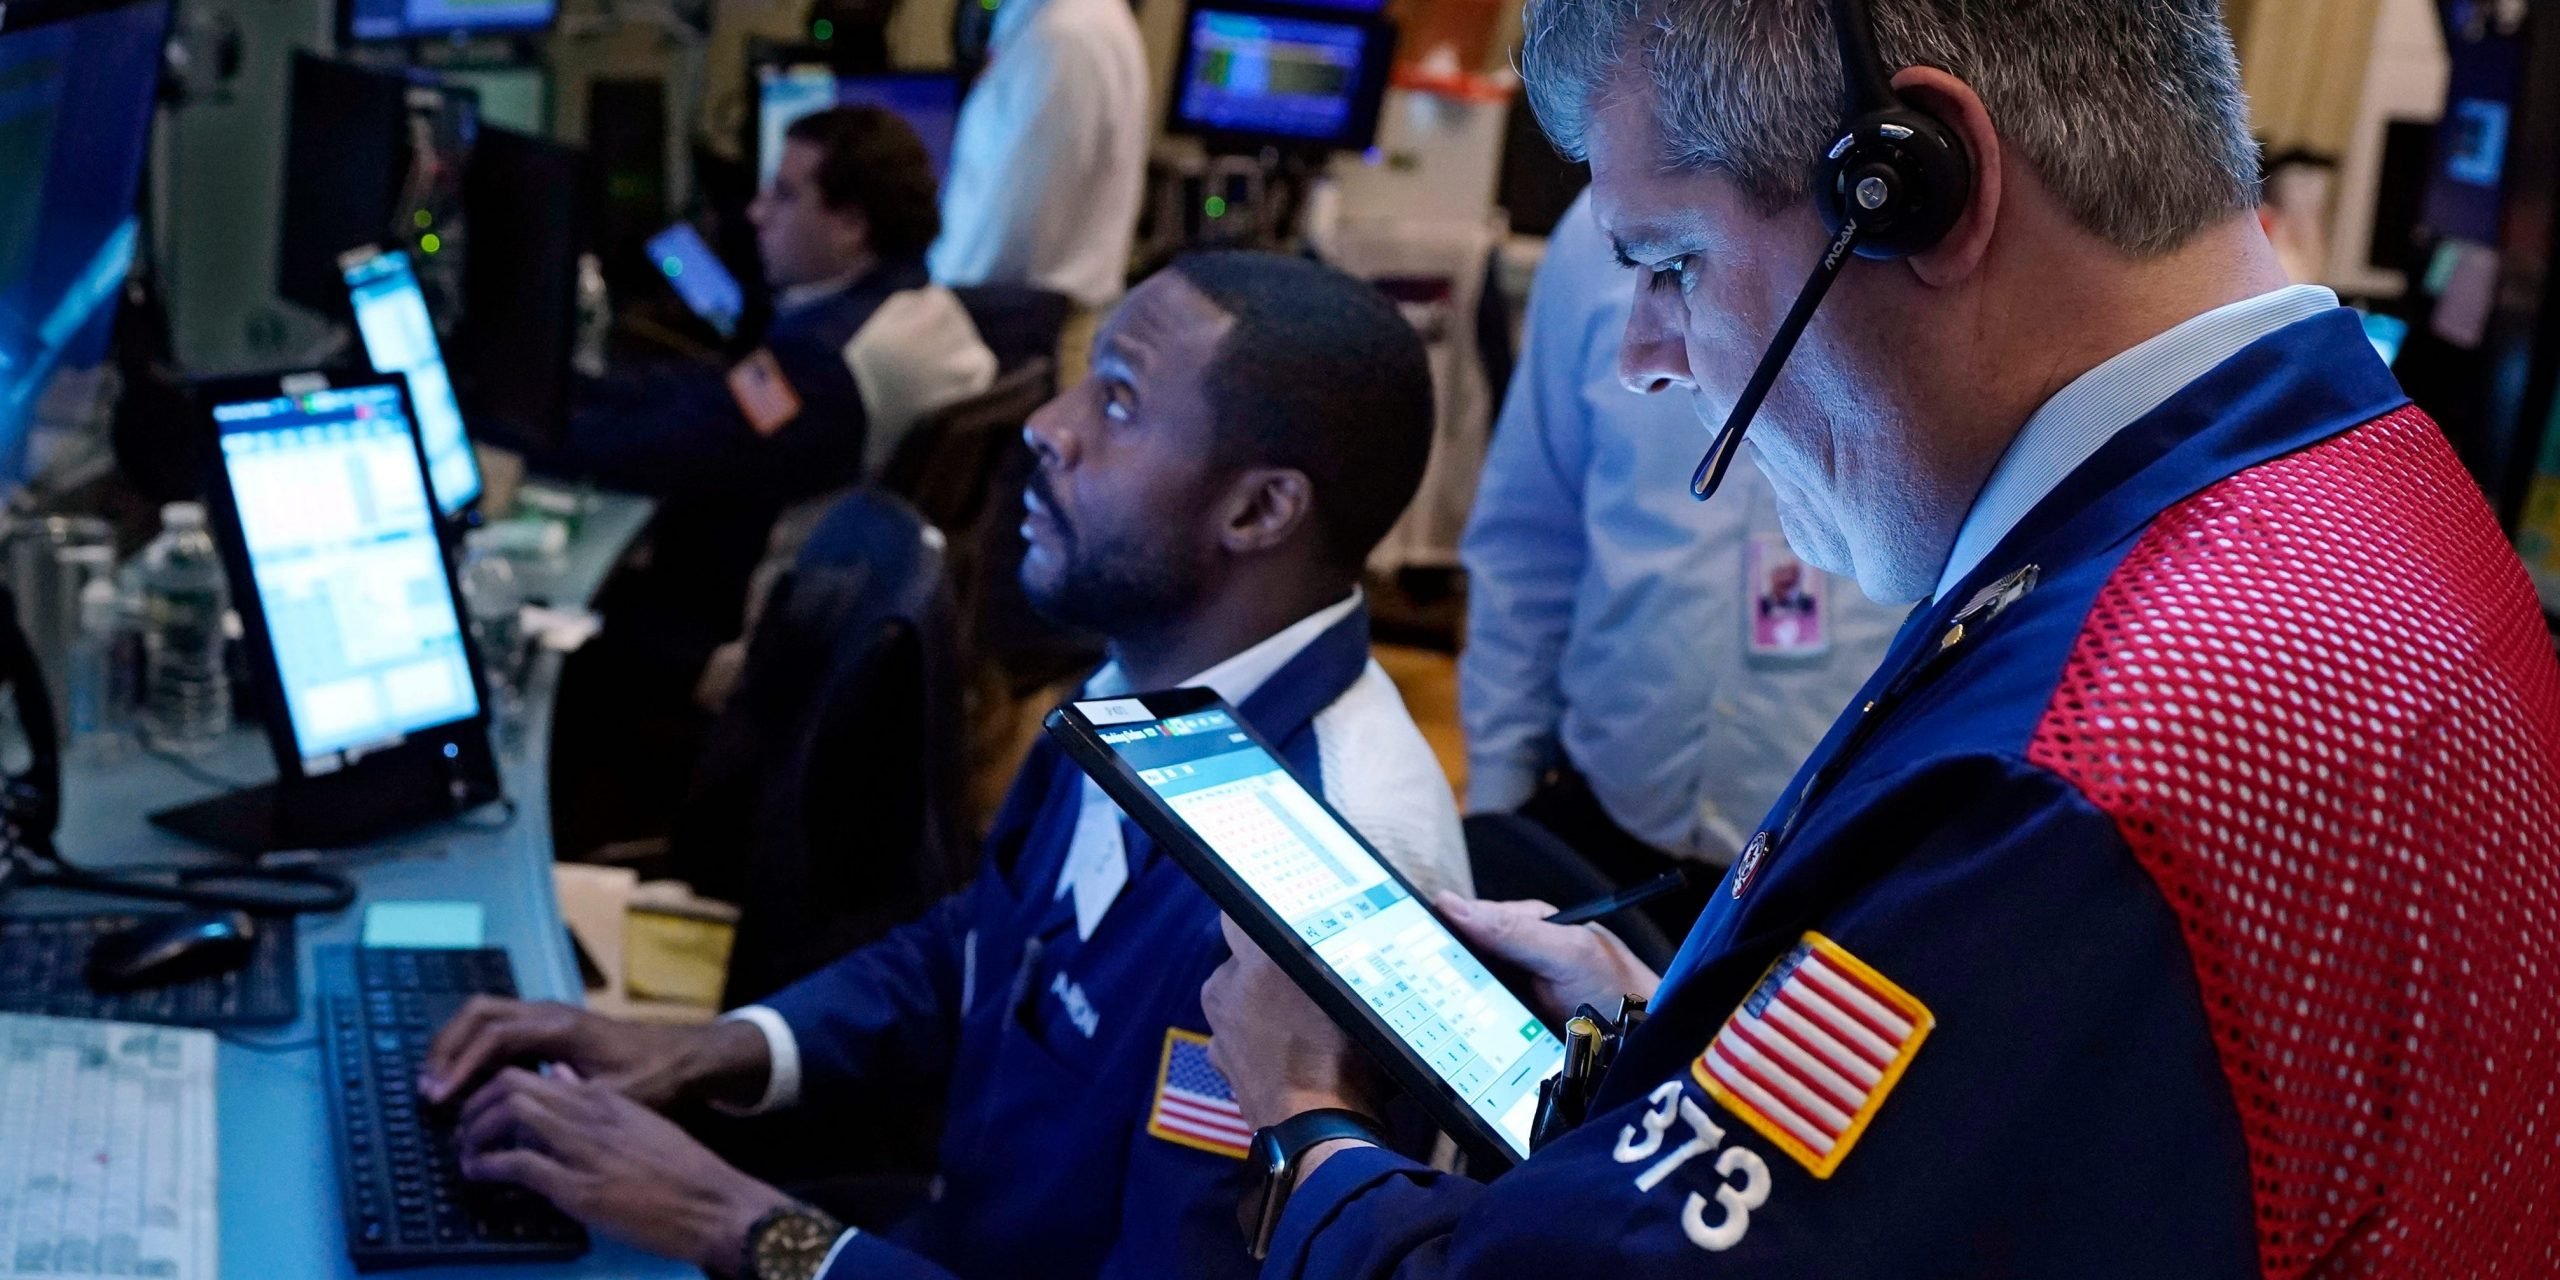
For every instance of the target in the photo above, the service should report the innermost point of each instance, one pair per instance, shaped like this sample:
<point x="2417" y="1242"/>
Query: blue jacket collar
<point x="2287" y="391"/>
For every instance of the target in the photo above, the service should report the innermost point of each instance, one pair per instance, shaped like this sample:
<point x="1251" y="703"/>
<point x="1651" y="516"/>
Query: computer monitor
<point x="347" y="591"/>
<point x="789" y="86"/>
<point x="399" y="336"/>
<point x="360" y="21"/>
<point x="1252" y="76"/>
<point x="372" y="156"/>
<point x="76" y="88"/>
<point x="524" y="216"/>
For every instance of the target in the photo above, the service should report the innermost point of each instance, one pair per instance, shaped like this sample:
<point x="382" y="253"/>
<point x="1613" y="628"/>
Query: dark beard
<point x="1116" y="588"/>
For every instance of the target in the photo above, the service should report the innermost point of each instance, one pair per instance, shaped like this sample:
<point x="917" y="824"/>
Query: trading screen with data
<point x="351" y="578"/>
<point x="1344" y="904"/>
<point x="1264" y="75"/>
<point x="400" y="337"/>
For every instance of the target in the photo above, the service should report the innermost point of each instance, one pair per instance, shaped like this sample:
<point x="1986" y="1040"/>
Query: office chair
<point x="1514" y="858"/>
<point x="1017" y="322"/>
<point x="826" y="801"/>
<point x="963" y="468"/>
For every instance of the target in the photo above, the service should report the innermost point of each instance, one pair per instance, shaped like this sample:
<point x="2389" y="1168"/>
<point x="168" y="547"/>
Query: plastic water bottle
<point x="186" y="690"/>
<point x="103" y="698"/>
<point x="495" y="599"/>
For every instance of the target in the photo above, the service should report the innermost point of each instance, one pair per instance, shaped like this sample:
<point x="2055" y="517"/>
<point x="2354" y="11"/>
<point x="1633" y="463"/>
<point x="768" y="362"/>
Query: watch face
<point x="792" y="1245"/>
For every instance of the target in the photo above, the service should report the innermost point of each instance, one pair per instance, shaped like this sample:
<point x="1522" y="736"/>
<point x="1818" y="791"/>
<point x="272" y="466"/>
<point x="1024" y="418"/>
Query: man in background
<point x="1050" y="161"/>
<point x="1643" y="671"/>
<point x="1205" y="498"/>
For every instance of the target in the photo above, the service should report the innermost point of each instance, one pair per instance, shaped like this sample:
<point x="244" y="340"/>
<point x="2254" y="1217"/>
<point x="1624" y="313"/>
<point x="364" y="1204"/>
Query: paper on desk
<point x="106" y="1150"/>
<point x="561" y="629"/>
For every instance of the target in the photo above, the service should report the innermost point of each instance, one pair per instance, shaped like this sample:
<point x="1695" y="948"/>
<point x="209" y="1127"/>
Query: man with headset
<point x="2175" y="900"/>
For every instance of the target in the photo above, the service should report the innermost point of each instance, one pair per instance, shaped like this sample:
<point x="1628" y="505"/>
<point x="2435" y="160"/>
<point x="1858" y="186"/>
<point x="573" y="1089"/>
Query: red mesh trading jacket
<point x="2179" y="900"/>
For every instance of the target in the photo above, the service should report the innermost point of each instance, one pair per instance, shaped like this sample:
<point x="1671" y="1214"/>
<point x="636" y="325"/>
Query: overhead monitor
<point x="370" y="20"/>
<point x="76" y="88"/>
<point x="400" y="337"/>
<point x="1253" y="76"/>
<point x="353" y="594"/>
<point x="789" y="87"/>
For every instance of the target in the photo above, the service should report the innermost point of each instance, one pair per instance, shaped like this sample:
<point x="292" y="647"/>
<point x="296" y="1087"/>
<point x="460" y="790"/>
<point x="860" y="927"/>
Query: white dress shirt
<point x="1049" y="160"/>
<point x="2081" y="418"/>
<point x="1607" y="611"/>
<point x="1375" y="768"/>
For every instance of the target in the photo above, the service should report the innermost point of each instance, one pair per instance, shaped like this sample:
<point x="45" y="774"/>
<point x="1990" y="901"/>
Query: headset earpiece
<point x="1902" y="173"/>
<point x="1894" y="184"/>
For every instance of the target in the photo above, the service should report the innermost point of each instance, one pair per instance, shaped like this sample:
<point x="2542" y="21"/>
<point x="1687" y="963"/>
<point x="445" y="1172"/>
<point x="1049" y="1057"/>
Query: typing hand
<point x="1569" y="965"/>
<point x="1278" y="1051"/>
<point x="653" y="1065"/>
<point x="613" y="1164"/>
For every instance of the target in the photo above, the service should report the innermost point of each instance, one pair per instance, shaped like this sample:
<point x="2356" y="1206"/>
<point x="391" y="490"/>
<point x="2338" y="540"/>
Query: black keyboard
<point x="44" y="963"/>
<point x="402" y="1190"/>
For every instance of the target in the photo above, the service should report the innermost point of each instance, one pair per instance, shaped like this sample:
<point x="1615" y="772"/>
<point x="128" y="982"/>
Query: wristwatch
<point x="1276" y="1151"/>
<point x="789" y="1243"/>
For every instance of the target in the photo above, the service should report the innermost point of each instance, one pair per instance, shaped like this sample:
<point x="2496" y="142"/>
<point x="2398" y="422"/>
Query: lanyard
<point x="1968" y="623"/>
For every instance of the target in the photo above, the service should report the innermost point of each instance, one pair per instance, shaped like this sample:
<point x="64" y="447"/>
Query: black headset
<point x="1892" y="185"/>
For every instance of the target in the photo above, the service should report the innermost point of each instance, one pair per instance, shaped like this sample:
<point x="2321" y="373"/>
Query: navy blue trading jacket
<point x="681" y="433"/>
<point x="2178" y="910"/>
<point x="1049" y="1165"/>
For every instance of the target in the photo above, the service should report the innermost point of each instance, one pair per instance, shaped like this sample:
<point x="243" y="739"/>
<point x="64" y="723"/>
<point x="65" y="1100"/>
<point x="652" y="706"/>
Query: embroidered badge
<point x="1814" y="1050"/>
<point x="763" y="394"/>
<point x="1193" y="1105"/>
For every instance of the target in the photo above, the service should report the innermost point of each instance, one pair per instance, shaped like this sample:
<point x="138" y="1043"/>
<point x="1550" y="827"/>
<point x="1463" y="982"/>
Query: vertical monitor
<point x="525" y="215"/>
<point x="77" y="83"/>
<point x="1255" y="77"/>
<point x="788" y="89"/>
<point x="353" y="591"/>
<point x="400" y="337"/>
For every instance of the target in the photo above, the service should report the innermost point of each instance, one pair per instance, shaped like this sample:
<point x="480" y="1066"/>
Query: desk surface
<point x="279" y="1193"/>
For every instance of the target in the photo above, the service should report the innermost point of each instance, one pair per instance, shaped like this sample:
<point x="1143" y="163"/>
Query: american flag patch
<point x="1809" y="1057"/>
<point x="1193" y="1104"/>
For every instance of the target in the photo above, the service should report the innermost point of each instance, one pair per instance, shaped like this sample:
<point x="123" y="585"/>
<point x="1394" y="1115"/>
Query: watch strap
<point x="1278" y="1149"/>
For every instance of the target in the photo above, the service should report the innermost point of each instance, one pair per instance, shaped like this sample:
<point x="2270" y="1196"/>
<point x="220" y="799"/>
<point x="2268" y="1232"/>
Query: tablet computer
<point x="1337" y="918"/>
<point x="696" y="274"/>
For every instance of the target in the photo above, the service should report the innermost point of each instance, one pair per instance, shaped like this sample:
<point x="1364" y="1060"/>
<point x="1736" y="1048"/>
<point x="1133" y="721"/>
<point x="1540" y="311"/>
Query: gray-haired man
<point x="2173" y="902"/>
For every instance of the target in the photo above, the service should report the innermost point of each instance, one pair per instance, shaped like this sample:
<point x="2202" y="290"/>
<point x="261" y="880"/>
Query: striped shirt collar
<point x="2081" y="418"/>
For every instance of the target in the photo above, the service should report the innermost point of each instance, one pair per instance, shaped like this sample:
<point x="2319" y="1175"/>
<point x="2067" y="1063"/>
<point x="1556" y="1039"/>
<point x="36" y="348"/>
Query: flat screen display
<point x="341" y="542"/>
<point x="1287" y="78"/>
<point x="76" y="96"/>
<point x="408" y="19"/>
<point x="1340" y="900"/>
<point x="930" y="104"/>
<point x="400" y="337"/>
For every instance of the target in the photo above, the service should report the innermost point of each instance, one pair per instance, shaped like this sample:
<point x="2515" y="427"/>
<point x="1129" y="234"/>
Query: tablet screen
<point x="1341" y="901"/>
<point x="706" y="286"/>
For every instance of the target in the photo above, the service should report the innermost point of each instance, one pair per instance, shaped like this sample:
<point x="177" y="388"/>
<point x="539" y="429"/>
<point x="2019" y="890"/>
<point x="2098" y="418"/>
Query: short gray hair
<point x="2131" y="110"/>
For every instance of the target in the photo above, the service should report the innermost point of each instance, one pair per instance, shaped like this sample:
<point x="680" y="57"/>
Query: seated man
<point x="861" y="346"/>
<point x="1205" y="497"/>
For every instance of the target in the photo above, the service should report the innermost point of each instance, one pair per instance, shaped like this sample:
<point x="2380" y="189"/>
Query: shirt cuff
<point x="1318" y="1201"/>
<point x="782" y="1082"/>
<point x="828" y="1263"/>
<point x="1500" y="786"/>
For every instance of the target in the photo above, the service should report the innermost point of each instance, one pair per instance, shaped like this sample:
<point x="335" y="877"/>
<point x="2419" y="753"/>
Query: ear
<point x="1264" y="508"/>
<point x="854" y="226"/>
<point x="1955" y="104"/>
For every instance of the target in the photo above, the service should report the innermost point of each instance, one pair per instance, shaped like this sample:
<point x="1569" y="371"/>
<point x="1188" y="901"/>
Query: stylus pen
<point x="1622" y="899"/>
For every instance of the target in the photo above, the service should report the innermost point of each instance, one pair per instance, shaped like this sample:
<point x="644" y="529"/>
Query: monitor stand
<point x="277" y="816"/>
